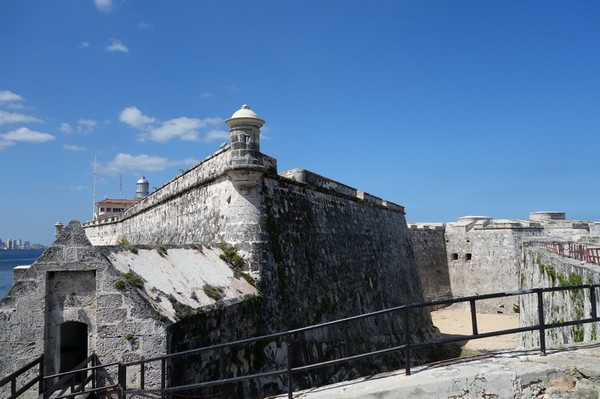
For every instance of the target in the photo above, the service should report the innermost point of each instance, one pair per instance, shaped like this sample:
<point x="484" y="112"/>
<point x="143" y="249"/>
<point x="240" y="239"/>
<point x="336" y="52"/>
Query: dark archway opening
<point x="73" y="344"/>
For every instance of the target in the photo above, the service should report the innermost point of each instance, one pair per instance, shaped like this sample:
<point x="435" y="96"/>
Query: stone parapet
<point x="322" y="183"/>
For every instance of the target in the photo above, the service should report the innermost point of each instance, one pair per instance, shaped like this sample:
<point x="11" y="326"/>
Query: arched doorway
<point x="73" y="345"/>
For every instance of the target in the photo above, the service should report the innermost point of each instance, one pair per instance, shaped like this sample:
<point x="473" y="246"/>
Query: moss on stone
<point x="213" y="292"/>
<point x="134" y="280"/>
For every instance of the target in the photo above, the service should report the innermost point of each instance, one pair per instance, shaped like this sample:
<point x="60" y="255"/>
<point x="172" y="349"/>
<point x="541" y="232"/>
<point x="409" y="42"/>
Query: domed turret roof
<point x="142" y="180"/>
<point x="244" y="115"/>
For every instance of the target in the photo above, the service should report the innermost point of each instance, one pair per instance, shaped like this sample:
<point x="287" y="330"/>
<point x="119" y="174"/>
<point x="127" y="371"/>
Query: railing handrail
<point x="438" y="302"/>
<point x="540" y="326"/>
<point x="12" y="378"/>
<point x="588" y="253"/>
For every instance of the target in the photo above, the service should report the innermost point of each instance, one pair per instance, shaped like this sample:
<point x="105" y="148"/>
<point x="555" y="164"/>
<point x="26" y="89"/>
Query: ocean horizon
<point x="9" y="259"/>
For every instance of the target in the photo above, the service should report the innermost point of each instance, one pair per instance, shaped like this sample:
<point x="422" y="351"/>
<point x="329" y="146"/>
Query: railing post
<point x="163" y="377"/>
<point x="290" y="378"/>
<point x="94" y="375"/>
<point x="41" y="383"/>
<point x="473" y="317"/>
<point x="541" y="322"/>
<point x="593" y="301"/>
<point x="407" y="340"/>
<point x="123" y="379"/>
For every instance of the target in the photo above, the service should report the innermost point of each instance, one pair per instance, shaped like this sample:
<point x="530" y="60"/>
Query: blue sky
<point x="449" y="108"/>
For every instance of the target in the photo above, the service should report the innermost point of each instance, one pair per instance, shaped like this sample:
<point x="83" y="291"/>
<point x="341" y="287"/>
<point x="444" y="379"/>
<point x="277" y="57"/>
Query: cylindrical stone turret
<point x="142" y="188"/>
<point x="58" y="228"/>
<point x="244" y="131"/>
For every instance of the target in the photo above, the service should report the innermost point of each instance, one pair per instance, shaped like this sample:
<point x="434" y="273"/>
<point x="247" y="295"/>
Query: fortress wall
<point x="429" y="246"/>
<point x="171" y="204"/>
<point x="541" y="268"/>
<point x="191" y="216"/>
<point x="485" y="260"/>
<point x="211" y="203"/>
<point x="327" y="256"/>
<point x="335" y="255"/>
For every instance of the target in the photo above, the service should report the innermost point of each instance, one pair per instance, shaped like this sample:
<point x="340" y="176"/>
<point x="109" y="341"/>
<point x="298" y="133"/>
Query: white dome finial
<point x="244" y="116"/>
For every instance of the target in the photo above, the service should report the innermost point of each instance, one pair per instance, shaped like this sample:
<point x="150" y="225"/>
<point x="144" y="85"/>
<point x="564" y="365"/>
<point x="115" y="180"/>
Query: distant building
<point x="108" y="208"/>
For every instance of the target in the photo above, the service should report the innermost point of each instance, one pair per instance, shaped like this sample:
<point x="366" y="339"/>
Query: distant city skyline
<point x="446" y="108"/>
<point x="18" y="243"/>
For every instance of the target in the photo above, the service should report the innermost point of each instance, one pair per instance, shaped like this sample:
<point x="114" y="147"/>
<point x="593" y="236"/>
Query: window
<point x="454" y="256"/>
<point x="468" y="257"/>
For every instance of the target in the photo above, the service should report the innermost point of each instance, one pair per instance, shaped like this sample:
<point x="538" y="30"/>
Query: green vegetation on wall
<point x="235" y="261"/>
<point x="134" y="280"/>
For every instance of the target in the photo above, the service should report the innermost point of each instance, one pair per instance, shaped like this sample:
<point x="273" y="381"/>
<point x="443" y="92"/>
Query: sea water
<point x="11" y="258"/>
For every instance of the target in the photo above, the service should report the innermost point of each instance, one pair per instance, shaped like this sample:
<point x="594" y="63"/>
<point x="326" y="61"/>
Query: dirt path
<point x="452" y="322"/>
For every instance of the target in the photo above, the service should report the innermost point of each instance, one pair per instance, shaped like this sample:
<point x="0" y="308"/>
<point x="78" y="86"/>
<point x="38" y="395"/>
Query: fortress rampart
<point x="483" y="255"/>
<point x="542" y="268"/>
<point x="318" y="250"/>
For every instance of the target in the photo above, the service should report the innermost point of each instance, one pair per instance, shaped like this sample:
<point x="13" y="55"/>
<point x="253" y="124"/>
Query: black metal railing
<point x="12" y="379"/>
<point x="88" y="376"/>
<point x="407" y="347"/>
<point x="573" y="250"/>
<point x="82" y="379"/>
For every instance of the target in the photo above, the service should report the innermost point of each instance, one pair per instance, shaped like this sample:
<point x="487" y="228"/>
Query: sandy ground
<point x="454" y="321"/>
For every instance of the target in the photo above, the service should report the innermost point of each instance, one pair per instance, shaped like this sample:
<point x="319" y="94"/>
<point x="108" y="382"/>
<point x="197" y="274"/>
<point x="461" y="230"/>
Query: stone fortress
<point x="478" y="254"/>
<point x="231" y="249"/>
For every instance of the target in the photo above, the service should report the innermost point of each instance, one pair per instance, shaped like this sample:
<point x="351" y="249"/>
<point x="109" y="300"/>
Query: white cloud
<point x="65" y="128"/>
<point x="144" y="26"/>
<point x="103" y="5"/>
<point x="139" y="163"/>
<point x="5" y="144"/>
<point x="8" y="96"/>
<point x="215" y="135"/>
<point x="25" y="135"/>
<point x="84" y="45"/>
<point x="206" y="94"/>
<point x="116" y="46"/>
<point x="183" y="128"/>
<point x="134" y="118"/>
<point x="13" y="117"/>
<point x="86" y="125"/>
<point x="75" y="148"/>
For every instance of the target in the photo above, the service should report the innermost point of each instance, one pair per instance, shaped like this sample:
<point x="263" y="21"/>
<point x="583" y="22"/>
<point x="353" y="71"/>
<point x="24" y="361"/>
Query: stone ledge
<point x="570" y="373"/>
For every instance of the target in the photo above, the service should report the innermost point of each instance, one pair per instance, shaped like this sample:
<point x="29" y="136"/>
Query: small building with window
<point x="108" y="208"/>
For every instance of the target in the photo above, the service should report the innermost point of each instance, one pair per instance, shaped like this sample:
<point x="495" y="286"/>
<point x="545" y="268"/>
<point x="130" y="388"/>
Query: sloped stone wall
<point x="429" y="246"/>
<point x="541" y="268"/>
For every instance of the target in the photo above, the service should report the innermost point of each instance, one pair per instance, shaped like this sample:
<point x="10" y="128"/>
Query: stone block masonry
<point x="541" y="268"/>
<point x="429" y="247"/>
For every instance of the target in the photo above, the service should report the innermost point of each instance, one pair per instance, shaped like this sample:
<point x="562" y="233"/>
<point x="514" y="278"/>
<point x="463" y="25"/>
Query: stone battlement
<point x="319" y="182"/>
<point x="426" y="226"/>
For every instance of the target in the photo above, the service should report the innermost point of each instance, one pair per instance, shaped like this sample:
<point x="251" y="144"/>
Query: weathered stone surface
<point x="73" y="282"/>
<point x="541" y="269"/>
<point x="504" y="376"/>
<point x="483" y="254"/>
